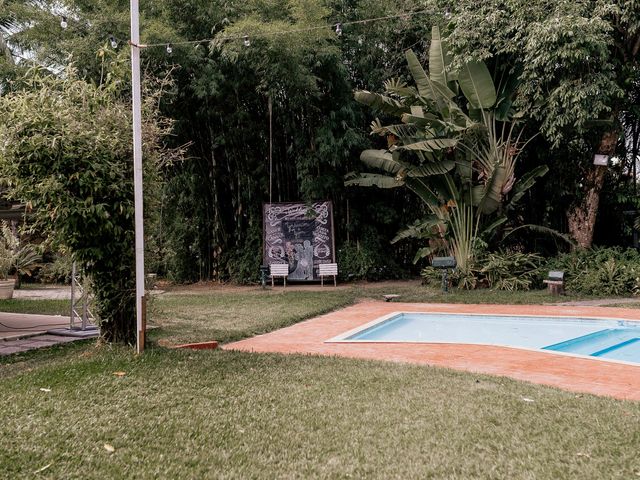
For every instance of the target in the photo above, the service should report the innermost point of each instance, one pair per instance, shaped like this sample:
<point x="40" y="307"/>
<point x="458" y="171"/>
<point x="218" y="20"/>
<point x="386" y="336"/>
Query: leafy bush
<point x="16" y="257"/>
<point x="506" y="270"/>
<point x="600" y="271"/>
<point x="367" y="260"/>
<point x="512" y="270"/>
<point x="71" y="163"/>
<point x="57" y="271"/>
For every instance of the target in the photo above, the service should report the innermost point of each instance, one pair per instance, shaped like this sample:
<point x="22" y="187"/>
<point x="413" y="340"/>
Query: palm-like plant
<point x="459" y="161"/>
<point x="16" y="256"/>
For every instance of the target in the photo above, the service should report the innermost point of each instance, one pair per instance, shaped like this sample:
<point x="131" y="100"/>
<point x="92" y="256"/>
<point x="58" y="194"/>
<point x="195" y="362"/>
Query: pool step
<point x="603" y="343"/>
<point x="629" y="351"/>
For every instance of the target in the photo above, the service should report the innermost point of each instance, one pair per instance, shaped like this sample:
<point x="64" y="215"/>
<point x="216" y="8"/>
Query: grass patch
<point x="218" y="414"/>
<point x="623" y="305"/>
<point x="42" y="307"/>
<point x="229" y="316"/>
<point x="179" y="414"/>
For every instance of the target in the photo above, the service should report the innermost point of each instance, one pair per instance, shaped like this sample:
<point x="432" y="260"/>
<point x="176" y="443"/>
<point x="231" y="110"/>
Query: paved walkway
<point x="579" y="374"/>
<point x="9" y="347"/>
<point x="19" y="325"/>
<point x="23" y="332"/>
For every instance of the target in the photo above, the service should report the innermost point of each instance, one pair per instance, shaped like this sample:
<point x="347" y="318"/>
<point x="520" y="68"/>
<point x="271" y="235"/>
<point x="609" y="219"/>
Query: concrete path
<point x="19" y="325"/>
<point x="23" y="332"/>
<point x="9" y="347"/>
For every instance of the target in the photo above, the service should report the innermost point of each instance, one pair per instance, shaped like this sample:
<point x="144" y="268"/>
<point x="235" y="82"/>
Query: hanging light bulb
<point x="63" y="22"/>
<point x="113" y="42"/>
<point x="169" y="49"/>
<point x="338" y="29"/>
<point x="447" y="13"/>
<point x="247" y="42"/>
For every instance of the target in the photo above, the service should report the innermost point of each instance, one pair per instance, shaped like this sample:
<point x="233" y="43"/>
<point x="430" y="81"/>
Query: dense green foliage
<point x="576" y="63"/>
<point x="578" y="66"/>
<point x="503" y="270"/>
<point x="596" y="272"/>
<point x="601" y="272"/>
<point x="65" y="151"/>
<point x="456" y="147"/>
<point x="211" y="205"/>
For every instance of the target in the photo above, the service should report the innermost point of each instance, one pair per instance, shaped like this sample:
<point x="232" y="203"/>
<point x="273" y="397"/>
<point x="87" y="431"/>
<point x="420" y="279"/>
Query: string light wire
<point x="337" y="26"/>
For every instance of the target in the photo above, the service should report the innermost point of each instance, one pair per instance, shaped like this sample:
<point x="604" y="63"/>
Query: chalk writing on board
<point x="300" y="235"/>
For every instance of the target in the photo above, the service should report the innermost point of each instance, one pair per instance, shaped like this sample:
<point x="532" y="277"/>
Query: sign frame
<point x="298" y="238"/>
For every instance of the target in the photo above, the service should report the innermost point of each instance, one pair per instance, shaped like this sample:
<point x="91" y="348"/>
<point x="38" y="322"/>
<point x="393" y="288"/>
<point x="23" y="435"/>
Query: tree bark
<point x="582" y="215"/>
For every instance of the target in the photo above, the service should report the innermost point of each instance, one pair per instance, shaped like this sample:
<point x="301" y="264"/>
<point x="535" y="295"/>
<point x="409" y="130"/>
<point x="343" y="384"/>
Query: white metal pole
<point x="137" y="174"/>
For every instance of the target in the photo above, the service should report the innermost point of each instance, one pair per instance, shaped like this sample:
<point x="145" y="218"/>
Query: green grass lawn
<point x="231" y="315"/>
<point x="217" y="414"/>
<point x="228" y="316"/>
<point x="44" y="307"/>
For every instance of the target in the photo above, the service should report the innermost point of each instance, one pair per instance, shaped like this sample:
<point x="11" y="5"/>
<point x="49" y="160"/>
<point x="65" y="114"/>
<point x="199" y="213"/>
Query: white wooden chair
<point x="279" y="270"/>
<point x="326" y="270"/>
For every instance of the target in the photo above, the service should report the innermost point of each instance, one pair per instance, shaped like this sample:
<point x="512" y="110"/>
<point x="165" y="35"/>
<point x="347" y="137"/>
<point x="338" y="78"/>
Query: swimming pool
<point x="609" y="339"/>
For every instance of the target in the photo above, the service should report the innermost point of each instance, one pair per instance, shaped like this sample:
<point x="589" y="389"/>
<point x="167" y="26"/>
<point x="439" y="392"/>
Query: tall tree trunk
<point x="582" y="215"/>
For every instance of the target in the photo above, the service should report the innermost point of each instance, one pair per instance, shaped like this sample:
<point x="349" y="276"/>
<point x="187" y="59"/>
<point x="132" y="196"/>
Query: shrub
<point x="600" y="271"/>
<point x="367" y="260"/>
<point x="511" y="270"/>
<point x="506" y="270"/>
<point x="57" y="271"/>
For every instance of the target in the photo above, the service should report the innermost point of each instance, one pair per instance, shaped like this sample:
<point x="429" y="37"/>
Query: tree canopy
<point x="572" y="67"/>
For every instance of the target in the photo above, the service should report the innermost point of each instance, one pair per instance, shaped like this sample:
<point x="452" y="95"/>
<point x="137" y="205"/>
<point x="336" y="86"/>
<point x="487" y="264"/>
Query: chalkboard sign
<point x="300" y="235"/>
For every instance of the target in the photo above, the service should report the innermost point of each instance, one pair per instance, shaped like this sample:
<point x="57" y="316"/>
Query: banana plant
<point x="455" y="146"/>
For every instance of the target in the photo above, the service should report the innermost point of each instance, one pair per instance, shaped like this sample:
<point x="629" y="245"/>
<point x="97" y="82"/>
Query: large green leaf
<point x="419" y="75"/>
<point x="492" y="191"/>
<point x="374" y="180"/>
<point x="506" y="92"/>
<point x="422" y="253"/>
<point x="381" y="159"/>
<point x="439" y="94"/>
<point x="526" y="182"/>
<point x="438" y="58"/>
<point x="431" y="145"/>
<point x="476" y="84"/>
<point x="426" y="120"/>
<point x="420" y="229"/>
<point x="381" y="102"/>
<point x="429" y="169"/>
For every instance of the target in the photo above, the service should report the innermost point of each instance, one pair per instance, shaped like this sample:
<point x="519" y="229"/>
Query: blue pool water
<point x="610" y="339"/>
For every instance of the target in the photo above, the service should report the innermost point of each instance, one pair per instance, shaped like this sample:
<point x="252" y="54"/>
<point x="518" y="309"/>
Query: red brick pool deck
<point x="575" y="374"/>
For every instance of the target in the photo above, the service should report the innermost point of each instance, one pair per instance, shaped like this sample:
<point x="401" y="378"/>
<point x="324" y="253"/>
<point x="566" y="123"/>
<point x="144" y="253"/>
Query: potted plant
<point x="6" y="260"/>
